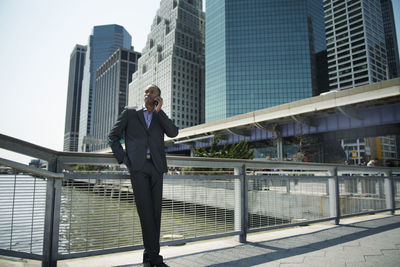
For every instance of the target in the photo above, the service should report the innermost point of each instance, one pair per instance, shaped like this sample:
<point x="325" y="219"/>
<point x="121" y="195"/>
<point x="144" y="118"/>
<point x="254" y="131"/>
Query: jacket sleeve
<point x="116" y="134"/>
<point x="169" y="127"/>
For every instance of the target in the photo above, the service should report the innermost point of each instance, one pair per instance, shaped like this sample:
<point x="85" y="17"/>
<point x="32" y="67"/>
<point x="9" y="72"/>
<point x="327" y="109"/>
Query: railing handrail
<point x="29" y="149"/>
<point x="30" y="169"/>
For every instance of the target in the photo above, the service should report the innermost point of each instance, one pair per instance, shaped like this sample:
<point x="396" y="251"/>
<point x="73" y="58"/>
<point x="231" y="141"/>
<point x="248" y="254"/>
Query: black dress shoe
<point x="148" y="264"/>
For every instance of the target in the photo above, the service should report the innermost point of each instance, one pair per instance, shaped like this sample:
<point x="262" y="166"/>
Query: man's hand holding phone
<point x="158" y="102"/>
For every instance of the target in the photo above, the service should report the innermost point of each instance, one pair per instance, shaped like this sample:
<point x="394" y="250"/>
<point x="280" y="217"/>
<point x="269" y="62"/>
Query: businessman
<point x="144" y="155"/>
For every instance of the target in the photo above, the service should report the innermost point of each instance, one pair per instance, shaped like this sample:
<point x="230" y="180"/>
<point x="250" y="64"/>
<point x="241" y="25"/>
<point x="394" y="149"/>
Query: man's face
<point x="150" y="94"/>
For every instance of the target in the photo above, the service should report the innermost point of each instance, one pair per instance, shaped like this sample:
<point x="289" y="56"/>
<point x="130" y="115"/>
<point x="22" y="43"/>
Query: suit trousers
<point x="147" y="187"/>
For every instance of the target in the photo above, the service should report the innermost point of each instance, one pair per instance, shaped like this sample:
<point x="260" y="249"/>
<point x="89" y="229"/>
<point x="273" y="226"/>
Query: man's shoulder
<point x="131" y="109"/>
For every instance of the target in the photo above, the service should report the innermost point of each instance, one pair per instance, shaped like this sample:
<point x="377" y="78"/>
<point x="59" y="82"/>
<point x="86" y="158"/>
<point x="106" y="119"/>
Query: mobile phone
<point x="156" y="103"/>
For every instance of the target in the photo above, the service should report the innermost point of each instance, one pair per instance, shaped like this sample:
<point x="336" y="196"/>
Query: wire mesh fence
<point x="97" y="214"/>
<point x="22" y="212"/>
<point x="97" y="211"/>
<point x="282" y="199"/>
<point x="360" y="194"/>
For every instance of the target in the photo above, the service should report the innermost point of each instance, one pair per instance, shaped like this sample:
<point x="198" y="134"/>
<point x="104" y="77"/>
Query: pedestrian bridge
<point x="63" y="213"/>
<point x="364" y="111"/>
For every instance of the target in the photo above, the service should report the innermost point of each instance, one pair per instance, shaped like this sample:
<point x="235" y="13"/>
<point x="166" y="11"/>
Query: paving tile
<point x="360" y="264"/>
<point x="391" y="252"/>
<point x="268" y="264"/>
<point x="348" y="256"/>
<point x="317" y="262"/>
<point x="316" y="254"/>
<point x="382" y="261"/>
<point x="323" y="261"/>
<point x="294" y="260"/>
<point x="351" y="244"/>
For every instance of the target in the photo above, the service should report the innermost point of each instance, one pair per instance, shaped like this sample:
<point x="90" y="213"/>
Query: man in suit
<point x="144" y="155"/>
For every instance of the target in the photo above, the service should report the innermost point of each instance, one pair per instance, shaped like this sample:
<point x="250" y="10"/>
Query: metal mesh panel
<point x="22" y="209"/>
<point x="97" y="214"/>
<point x="277" y="200"/>
<point x="361" y="194"/>
<point x="197" y="207"/>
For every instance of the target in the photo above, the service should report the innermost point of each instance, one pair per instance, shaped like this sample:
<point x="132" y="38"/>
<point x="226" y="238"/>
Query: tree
<point x="235" y="151"/>
<point x="83" y="167"/>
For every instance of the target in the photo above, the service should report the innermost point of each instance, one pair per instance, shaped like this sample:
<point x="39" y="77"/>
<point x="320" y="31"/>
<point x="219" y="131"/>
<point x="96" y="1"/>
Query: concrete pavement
<point x="355" y="242"/>
<point x="372" y="240"/>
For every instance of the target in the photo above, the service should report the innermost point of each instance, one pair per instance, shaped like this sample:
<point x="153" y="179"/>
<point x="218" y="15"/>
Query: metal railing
<point x="60" y="213"/>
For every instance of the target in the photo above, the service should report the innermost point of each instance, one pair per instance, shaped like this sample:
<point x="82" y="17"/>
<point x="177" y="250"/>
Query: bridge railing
<point x="61" y="213"/>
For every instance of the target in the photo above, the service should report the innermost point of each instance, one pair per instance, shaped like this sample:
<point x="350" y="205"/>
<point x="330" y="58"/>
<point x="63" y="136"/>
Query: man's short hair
<point x="155" y="86"/>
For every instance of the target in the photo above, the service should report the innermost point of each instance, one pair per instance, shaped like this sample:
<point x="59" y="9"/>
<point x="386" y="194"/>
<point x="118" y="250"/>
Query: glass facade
<point x="392" y="51"/>
<point x="103" y="42"/>
<point x="261" y="54"/>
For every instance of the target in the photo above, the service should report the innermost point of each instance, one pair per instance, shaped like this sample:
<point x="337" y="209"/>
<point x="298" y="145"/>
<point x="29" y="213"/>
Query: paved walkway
<point x="372" y="240"/>
<point x="375" y="242"/>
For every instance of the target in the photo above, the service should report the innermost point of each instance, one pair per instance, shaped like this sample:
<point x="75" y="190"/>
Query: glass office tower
<point x="72" y="114"/>
<point x="112" y="81"/>
<point x="103" y="42"/>
<point x="355" y="43"/>
<point x="261" y="54"/>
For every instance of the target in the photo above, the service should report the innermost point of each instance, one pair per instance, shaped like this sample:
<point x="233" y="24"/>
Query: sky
<point x="37" y="38"/>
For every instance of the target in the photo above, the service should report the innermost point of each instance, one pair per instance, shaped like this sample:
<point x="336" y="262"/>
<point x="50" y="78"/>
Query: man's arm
<point x="170" y="129"/>
<point x="115" y="136"/>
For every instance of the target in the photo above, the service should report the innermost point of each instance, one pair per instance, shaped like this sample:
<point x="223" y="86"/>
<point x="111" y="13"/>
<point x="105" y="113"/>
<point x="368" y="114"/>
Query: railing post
<point x="287" y="184"/>
<point x="389" y="191"/>
<point x="334" y="196"/>
<point x="241" y="208"/>
<point x="52" y="218"/>
<point x="381" y="188"/>
<point x="279" y="148"/>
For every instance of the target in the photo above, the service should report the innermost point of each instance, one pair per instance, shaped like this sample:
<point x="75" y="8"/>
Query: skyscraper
<point x="71" y="131"/>
<point x="103" y="41"/>
<point x="355" y="43"/>
<point x="392" y="50"/>
<point x="174" y="60"/>
<point x="358" y="33"/>
<point x="112" y="80"/>
<point x="261" y="54"/>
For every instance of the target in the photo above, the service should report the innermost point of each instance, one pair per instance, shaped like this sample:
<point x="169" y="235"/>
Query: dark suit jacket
<point x="132" y="127"/>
